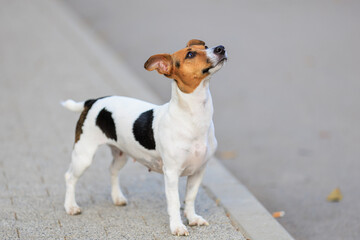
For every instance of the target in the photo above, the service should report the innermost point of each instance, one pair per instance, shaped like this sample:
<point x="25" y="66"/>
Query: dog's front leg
<point x="192" y="187"/>
<point x="173" y="202"/>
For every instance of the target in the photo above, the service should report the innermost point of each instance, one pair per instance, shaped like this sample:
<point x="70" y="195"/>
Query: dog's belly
<point x="155" y="165"/>
<point x="150" y="159"/>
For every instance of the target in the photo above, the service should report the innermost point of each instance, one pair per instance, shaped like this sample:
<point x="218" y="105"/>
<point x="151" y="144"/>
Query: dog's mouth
<point x="218" y="64"/>
<point x="221" y="61"/>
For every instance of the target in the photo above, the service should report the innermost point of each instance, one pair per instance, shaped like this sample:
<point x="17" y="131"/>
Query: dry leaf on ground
<point x="335" y="195"/>
<point x="278" y="214"/>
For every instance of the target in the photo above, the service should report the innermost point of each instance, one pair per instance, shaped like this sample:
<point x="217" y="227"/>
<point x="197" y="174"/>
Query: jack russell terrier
<point x="176" y="139"/>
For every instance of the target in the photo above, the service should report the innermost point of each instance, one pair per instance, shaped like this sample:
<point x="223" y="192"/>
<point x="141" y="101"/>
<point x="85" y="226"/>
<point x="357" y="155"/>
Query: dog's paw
<point x="179" y="230"/>
<point x="73" y="210"/>
<point x="198" y="221"/>
<point x="118" y="198"/>
<point x="120" y="201"/>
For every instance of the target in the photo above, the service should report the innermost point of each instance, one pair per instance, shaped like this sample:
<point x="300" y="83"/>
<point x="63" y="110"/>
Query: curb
<point x="248" y="215"/>
<point x="245" y="211"/>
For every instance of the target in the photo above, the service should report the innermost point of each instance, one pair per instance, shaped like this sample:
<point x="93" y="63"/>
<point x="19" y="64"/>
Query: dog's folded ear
<point x="195" y="42"/>
<point x="160" y="62"/>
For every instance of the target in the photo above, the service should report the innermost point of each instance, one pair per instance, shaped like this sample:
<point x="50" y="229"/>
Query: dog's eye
<point x="190" y="54"/>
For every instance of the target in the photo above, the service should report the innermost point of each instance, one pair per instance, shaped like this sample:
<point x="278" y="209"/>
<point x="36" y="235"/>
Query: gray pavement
<point x="287" y="102"/>
<point x="42" y="62"/>
<point x="47" y="55"/>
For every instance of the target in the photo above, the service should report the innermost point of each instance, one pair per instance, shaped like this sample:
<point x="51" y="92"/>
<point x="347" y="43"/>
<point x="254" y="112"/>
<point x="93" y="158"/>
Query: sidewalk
<point x="46" y="55"/>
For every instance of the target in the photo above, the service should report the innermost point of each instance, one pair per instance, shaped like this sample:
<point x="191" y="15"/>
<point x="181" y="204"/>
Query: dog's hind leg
<point x="82" y="156"/>
<point x="118" y="162"/>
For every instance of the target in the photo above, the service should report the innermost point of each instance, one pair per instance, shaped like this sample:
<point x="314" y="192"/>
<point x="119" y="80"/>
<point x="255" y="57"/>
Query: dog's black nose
<point x="220" y="50"/>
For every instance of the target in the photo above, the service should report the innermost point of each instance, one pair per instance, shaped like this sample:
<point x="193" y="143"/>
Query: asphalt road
<point x="287" y="103"/>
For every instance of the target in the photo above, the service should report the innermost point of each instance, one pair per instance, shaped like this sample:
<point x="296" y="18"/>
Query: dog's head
<point x="190" y="65"/>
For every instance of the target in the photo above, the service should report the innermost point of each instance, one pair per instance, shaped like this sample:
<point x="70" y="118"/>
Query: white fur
<point x="73" y="106"/>
<point x="185" y="141"/>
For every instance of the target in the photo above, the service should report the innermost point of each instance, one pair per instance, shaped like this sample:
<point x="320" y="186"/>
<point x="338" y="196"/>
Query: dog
<point x="175" y="139"/>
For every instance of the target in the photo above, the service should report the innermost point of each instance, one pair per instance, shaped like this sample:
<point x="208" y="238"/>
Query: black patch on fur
<point x="106" y="123"/>
<point x="87" y="105"/>
<point x="90" y="102"/>
<point x="143" y="130"/>
<point x="177" y="64"/>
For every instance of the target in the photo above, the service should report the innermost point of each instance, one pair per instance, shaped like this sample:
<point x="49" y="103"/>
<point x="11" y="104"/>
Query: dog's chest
<point x="191" y="138"/>
<point x="195" y="158"/>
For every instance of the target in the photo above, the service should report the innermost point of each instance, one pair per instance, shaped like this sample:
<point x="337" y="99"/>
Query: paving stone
<point x="38" y="138"/>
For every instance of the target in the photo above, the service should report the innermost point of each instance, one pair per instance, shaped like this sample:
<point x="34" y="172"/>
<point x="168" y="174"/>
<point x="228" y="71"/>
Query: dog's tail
<point x="73" y="106"/>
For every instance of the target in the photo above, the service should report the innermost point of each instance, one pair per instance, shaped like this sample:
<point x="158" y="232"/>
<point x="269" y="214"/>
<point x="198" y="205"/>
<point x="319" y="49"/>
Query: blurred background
<point x="287" y="103"/>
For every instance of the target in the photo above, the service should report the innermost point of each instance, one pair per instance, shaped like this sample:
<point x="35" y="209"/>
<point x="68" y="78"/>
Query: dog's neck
<point x="199" y="102"/>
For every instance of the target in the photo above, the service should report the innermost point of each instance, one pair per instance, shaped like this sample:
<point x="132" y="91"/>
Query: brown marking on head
<point x="185" y="66"/>
<point x="177" y="64"/>
<point x="195" y="42"/>
<point x="160" y="62"/>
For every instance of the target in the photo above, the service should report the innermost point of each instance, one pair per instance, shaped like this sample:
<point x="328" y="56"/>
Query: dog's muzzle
<point x="220" y="52"/>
